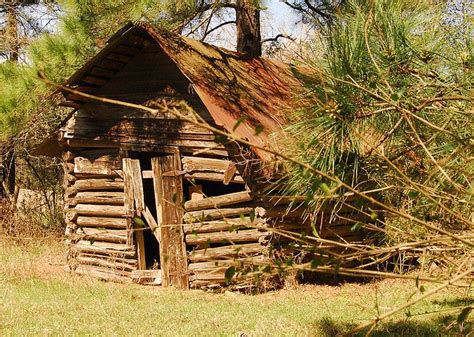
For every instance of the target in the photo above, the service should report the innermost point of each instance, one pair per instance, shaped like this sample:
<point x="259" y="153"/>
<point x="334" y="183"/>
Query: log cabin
<point x="155" y="198"/>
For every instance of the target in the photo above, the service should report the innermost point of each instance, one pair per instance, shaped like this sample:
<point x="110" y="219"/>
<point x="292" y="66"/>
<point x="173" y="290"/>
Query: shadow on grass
<point x="457" y="302"/>
<point x="441" y="326"/>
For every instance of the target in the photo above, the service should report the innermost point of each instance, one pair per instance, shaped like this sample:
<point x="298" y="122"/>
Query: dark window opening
<point x="152" y="247"/>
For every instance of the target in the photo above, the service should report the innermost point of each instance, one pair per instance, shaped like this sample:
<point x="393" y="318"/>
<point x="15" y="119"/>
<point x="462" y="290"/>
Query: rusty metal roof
<point x="253" y="93"/>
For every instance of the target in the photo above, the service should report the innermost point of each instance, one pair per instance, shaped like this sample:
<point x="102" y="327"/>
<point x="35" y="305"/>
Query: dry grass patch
<point x="38" y="297"/>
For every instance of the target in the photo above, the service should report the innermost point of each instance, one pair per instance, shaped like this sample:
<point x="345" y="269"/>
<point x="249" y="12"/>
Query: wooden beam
<point x="100" y="210"/>
<point x="132" y="171"/>
<point x="98" y="185"/>
<point x="250" y="235"/>
<point x="152" y="224"/>
<point x="135" y="201"/>
<point x="120" y="223"/>
<point x="218" y="201"/>
<point x="104" y="262"/>
<point x="207" y="214"/>
<point x="102" y="273"/>
<point x="99" y="234"/>
<point x="211" y="176"/>
<point x="100" y="198"/>
<point x="222" y="225"/>
<point x="169" y="190"/>
<point x="226" y="252"/>
<point x="211" y="265"/>
<point x="191" y="164"/>
<point x="229" y="173"/>
<point x="109" y="248"/>
<point x="86" y="166"/>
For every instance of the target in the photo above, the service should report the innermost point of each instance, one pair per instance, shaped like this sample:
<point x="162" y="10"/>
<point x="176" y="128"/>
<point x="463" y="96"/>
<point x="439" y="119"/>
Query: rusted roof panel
<point x="256" y="93"/>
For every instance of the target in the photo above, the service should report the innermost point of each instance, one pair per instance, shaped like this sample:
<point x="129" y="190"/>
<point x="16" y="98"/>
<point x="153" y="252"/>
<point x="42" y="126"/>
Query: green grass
<point x="38" y="298"/>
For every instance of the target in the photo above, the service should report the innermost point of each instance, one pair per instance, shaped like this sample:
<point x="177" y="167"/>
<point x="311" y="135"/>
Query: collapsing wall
<point x="218" y="219"/>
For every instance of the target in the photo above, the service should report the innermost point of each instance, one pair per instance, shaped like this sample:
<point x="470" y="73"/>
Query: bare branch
<point x="274" y="39"/>
<point x="217" y="27"/>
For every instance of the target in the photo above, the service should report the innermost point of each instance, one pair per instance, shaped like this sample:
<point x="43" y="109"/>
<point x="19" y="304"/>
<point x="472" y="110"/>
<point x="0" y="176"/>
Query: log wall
<point x="97" y="227"/>
<point x="223" y="228"/>
<point x="219" y="230"/>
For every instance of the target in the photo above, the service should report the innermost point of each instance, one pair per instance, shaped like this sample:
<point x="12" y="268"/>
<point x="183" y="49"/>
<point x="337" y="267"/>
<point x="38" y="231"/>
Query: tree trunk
<point x="12" y="31"/>
<point x="13" y="50"/>
<point x="248" y="28"/>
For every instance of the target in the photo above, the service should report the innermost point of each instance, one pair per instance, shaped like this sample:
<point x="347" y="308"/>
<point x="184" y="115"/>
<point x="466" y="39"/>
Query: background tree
<point x="19" y="21"/>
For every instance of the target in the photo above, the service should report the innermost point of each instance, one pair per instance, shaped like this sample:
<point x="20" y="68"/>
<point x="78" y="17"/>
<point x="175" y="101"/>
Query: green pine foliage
<point x="84" y="27"/>
<point x="391" y="107"/>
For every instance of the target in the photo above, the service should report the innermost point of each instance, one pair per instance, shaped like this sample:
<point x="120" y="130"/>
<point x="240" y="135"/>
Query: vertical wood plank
<point x="169" y="199"/>
<point x="137" y="182"/>
<point x="128" y="192"/>
<point x="134" y="199"/>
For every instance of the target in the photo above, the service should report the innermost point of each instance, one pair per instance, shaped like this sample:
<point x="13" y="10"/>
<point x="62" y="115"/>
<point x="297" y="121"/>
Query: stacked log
<point x="211" y="169"/>
<point x="220" y="232"/>
<point x="101" y="244"/>
<point x="332" y="221"/>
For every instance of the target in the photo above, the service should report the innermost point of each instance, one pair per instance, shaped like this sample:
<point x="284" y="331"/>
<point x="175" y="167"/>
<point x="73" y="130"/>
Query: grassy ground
<point x="38" y="297"/>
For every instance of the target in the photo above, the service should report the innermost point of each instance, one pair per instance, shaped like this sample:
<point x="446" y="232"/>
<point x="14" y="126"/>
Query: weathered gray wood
<point x="191" y="164"/>
<point x="229" y="173"/>
<point x="218" y="201"/>
<point x="100" y="198"/>
<point x="148" y="146"/>
<point x="135" y="202"/>
<point x="132" y="261"/>
<point x="104" y="262"/>
<point x="117" y="141"/>
<point x="98" y="185"/>
<point x="100" y="210"/>
<point x="226" y="252"/>
<point x="87" y="221"/>
<point x="170" y="194"/>
<point x="99" y="234"/>
<point x="147" y="174"/>
<point x="103" y="273"/>
<point x="86" y="166"/>
<point x="208" y="214"/>
<point x="249" y="235"/>
<point x="212" y="265"/>
<point x="110" y="248"/>
<point x="151" y="276"/>
<point x="132" y="171"/>
<point x="223" y="225"/>
<point x="152" y="224"/>
<point x="206" y="278"/>
<point x="210" y="176"/>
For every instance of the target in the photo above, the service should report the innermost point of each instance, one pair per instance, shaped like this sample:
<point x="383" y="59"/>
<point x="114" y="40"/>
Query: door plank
<point x="169" y="199"/>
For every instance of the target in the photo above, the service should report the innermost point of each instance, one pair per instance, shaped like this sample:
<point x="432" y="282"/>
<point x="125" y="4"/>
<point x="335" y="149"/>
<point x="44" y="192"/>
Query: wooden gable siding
<point x="147" y="79"/>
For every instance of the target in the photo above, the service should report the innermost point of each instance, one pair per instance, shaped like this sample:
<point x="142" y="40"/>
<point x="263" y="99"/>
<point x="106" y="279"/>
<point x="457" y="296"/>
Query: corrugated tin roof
<point x="255" y="92"/>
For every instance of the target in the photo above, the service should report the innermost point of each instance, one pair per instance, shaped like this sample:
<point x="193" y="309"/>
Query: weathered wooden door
<point x="168" y="187"/>
<point x="167" y="228"/>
